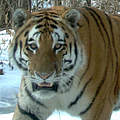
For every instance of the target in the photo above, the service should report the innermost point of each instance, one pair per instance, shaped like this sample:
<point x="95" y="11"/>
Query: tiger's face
<point x="45" y="48"/>
<point x="51" y="59"/>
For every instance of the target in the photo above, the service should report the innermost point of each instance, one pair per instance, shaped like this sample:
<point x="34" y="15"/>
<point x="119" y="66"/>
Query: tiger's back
<point x="70" y="62"/>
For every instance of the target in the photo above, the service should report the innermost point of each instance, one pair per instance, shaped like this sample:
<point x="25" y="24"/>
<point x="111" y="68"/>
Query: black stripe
<point x="40" y="20"/>
<point x="53" y="13"/>
<point x="68" y="61"/>
<point x="26" y="54"/>
<point x="70" y="45"/>
<point x="101" y="22"/>
<point x="54" y="16"/>
<point x="39" y="26"/>
<point x="20" y="50"/>
<point x="53" y="26"/>
<point x="26" y="33"/>
<point x="15" y="47"/>
<point x="61" y="40"/>
<point x="91" y="11"/>
<point x="21" y="47"/>
<point x="80" y="94"/>
<point x="76" y="51"/>
<point x="39" y="16"/>
<point x="29" y="114"/>
<point x="26" y="41"/>
<point x="54" y="21"/>
<point x="30" y="40"/>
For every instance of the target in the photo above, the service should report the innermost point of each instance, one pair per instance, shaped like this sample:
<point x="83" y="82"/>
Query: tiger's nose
<point x="44" y="75"/>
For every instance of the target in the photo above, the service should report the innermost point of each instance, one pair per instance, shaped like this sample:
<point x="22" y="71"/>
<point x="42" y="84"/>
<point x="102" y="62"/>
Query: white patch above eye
<point x="57" y="35"/>
<point x="32" y="31"/>
<point x="34" y="34"/>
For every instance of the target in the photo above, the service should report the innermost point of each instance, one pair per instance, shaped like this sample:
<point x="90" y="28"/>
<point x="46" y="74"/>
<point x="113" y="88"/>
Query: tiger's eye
<point x="33" y="46"/>
<point x="57" y="46"/>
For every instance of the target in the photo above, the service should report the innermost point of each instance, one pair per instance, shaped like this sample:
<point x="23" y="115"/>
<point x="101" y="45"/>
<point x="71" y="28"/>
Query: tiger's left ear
<point x="20" y="16"/>
<point x="72" y="16"/>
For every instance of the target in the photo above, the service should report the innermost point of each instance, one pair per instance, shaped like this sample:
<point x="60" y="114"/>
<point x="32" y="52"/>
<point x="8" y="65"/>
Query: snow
<point x="9" y="85"/>
<point x="6" y="116"/>
<point x="57" y="116"/>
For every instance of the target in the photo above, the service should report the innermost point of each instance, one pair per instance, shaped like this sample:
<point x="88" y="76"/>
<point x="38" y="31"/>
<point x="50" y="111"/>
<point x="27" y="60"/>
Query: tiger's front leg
<point x="21" y="114"/>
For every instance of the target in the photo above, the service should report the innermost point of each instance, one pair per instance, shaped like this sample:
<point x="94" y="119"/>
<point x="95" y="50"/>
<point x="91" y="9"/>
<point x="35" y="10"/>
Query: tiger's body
<point x="70" y="60"/>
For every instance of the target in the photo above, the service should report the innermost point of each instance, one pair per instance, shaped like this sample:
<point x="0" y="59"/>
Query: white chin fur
<point x="44" y="94"/>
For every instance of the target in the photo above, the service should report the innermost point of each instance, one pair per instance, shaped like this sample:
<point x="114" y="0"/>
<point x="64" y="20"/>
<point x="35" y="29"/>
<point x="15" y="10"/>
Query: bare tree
<point x="58" y="2"/>
<point x="88" y="2"/>
<point x="7" y="7"/>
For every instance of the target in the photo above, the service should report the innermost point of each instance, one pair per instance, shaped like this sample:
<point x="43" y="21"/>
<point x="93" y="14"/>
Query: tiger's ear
<point x="19" y="18"/>
<point x="73" y="16"/>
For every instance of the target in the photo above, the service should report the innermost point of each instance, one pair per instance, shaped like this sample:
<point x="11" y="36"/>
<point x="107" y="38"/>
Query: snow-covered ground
<point x="59" y="116"/>
<point x="9" y="85"/>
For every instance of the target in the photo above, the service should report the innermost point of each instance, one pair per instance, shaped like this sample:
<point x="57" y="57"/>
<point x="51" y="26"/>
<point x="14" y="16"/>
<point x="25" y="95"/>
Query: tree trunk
<point x="88" y="2"/>
<point x="58" y="2"/>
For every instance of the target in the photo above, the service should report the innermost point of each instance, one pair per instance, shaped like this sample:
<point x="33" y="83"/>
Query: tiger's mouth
<point x="45" y="86"/>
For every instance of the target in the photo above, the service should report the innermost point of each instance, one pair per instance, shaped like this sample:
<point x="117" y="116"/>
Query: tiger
<point x="70" y="61"/>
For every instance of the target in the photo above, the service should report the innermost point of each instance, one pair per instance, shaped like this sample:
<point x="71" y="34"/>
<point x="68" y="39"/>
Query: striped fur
<point x="70" y="61"/>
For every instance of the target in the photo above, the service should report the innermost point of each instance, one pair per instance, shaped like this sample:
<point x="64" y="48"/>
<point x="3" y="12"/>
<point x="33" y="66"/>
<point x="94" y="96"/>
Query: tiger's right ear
<point x="19" y="18"/>
<point x="72" y="16"/>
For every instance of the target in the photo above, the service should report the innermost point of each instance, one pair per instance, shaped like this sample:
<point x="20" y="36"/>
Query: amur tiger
<point x="70" y="59"/>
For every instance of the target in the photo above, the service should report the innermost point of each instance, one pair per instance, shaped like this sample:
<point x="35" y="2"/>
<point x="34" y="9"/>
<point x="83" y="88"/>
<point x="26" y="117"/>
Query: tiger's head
<point x="45" y="48"/>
